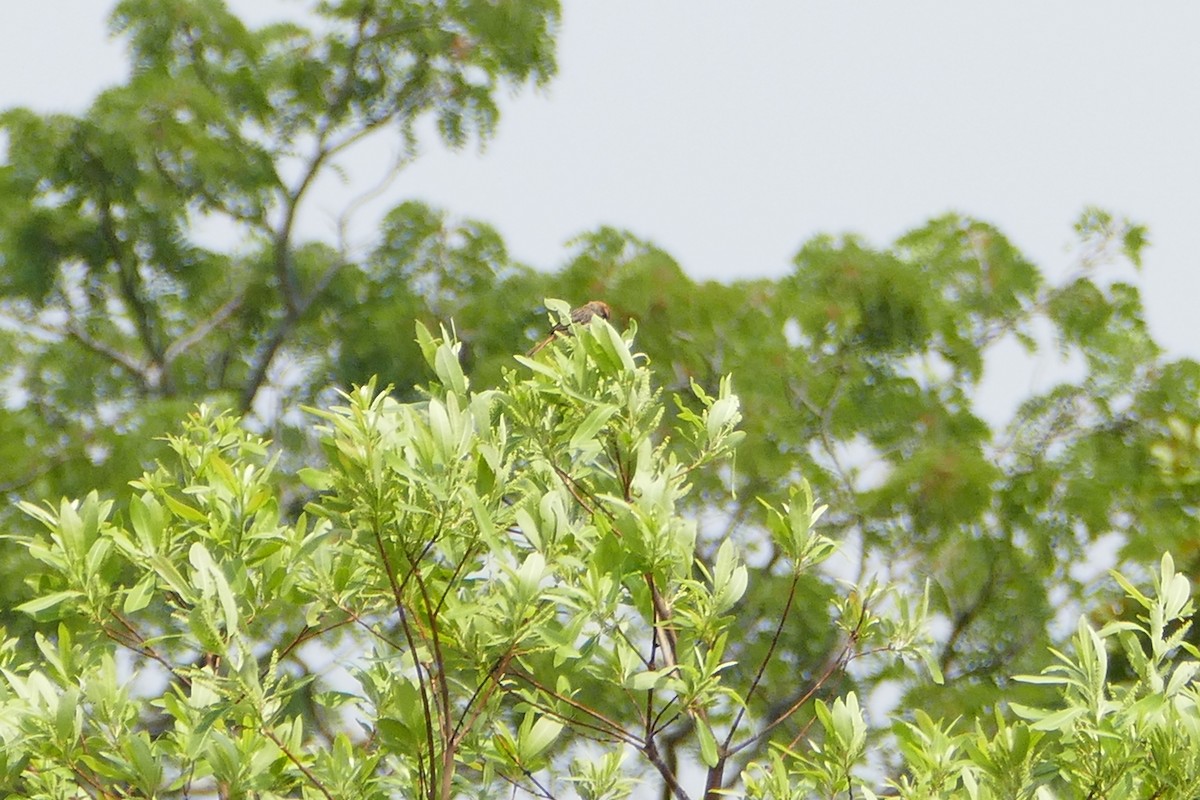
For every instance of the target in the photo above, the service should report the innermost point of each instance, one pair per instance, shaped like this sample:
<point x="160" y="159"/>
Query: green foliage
<point x="1093" y="738"/>
<point x="114" y="297"/>
<point x="859" y="372"/>
<point x="509" y="579"/>
<point x="511" y="572"/>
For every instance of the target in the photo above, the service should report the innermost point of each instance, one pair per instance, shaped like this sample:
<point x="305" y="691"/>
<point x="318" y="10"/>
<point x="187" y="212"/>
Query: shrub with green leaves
<point x="499" y="593"/>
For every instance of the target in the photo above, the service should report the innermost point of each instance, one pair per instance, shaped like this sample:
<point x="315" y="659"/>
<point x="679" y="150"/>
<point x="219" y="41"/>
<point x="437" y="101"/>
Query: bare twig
<point x="399" y="162"/>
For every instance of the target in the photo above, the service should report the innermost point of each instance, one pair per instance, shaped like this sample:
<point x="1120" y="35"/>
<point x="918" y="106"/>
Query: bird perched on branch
<point x="579" y="316"/>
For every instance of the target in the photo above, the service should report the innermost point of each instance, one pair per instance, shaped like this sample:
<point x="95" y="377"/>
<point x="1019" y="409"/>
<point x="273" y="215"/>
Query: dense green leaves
<point x="121" y="307"/>
<point x="503" y="565"/>
<point x="859" y="373"/>
<point x="509" y="578"/>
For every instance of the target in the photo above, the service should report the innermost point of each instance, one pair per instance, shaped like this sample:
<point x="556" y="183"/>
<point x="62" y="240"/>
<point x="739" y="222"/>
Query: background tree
<point x="859" y="371"/>
<point x="126" y="308"/>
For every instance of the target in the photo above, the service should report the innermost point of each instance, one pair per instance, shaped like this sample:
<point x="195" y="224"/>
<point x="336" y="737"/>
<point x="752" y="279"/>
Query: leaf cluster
<point x="508" y="578"/>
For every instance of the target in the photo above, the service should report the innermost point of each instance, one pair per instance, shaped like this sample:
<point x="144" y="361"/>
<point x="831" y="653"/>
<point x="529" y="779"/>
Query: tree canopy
<point x="858" y="373"/>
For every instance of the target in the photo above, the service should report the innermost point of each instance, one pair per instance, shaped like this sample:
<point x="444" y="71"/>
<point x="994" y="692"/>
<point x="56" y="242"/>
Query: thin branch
<point x="613" y="728"/>
<point x="439" y="678"/>
<point x="762" y="667"/>
<point x="296" y="305"/>
<point x="134" y="641"/>
<point x="668" y="775"/>
<point x="834" y="664"/>
<point x="45" y="465"/>
<point x="661" y="618"/>
<point x="716" y="772"/>
<point x="312" y="777"/>
<point x="398" y="598"/>
<point x="366" y="626"/>
<point x="263" y="363"/>
<point x="128" y="281"/>
<point x="308" y="632"/>
<point x="453" y="580"/>
<point x="203" y="328"/>
<point x="578" y="493"/>
<point x="91" y="779"/>
<point x="399" y="162"/>
<point x="668" y="708"/>
<point x="649" y="716"/>
<point x="121" y="359"/>
<point x="967" y="617"/>
<point x="544" y="792"/>
<point x="483" y="693"/>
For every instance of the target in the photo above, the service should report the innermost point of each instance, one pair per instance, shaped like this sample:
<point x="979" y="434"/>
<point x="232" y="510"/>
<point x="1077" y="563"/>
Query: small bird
<point x="579" y="316"/>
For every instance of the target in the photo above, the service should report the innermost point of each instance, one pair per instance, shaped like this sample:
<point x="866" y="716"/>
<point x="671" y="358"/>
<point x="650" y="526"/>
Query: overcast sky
<point x="729" y="133"/>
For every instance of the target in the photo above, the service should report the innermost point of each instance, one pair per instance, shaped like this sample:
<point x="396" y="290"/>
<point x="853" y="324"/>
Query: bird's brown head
<point x="599" y="308"/>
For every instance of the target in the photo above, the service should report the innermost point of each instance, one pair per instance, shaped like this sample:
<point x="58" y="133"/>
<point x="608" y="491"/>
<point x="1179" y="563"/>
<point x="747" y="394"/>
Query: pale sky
<point x="729" y="133"/>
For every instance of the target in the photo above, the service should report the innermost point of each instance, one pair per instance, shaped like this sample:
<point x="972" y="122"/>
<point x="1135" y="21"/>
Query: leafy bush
<point x="499" y="591"/>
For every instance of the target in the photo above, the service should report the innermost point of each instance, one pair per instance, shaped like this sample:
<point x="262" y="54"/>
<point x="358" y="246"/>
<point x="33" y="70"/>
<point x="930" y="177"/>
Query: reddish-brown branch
<point x="762" y="667"/>
<point x="423" y="689"/>
<point x="612" y="728"/>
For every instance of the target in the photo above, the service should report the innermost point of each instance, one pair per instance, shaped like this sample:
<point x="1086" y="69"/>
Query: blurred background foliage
<point x="861" y="370"/>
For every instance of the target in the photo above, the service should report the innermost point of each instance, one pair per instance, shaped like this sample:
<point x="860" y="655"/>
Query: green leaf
<point x="315" y="479"/>
<point x="613" y="345"/>
<point x="183" y="510"/>
<point x="591" y="425"/>
<point x="210" y="574"/>
<point x="449" y="370"/>
<point x="167" y="572"/>
<point x="97" y="556"/>
<point x="439" y="426"/>
<point x="147" y="765"/>
<point x="45" y="607"/>
<point x="708" y="744"/>
<point x="139" y="596"/>
<point x="1058" y="721"/>
<point x="70" y="528"/>
<point x="537" y="366"/>
<point x="148" y="521"/>
<point x="650" y="679"/>
<point x="428" y="345"/>
<point x="67" y="719"/>
<point x="538" y="738"/>
<point x="931" y="663"/>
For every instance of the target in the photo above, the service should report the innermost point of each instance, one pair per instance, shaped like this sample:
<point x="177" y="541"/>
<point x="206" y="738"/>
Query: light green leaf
<point x="439" y="426"/>
<point x="209" y="575"/>
<point x="427" y="344"/>
<point x="449" y="370"/>
<point x="539" y="737"/>
<point x="708" y="743"/>
<point x="139" y="596"/>
<point x="591" y="425"/>
<point x="41" y="608"/>
<point x="650" y="679"/>
<point x="148" y="522"/>
<point x="183" y="510"/>
<point x="316" y="479"/>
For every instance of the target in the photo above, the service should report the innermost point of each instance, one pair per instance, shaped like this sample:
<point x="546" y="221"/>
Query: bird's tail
<point x="533" y="351"/>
